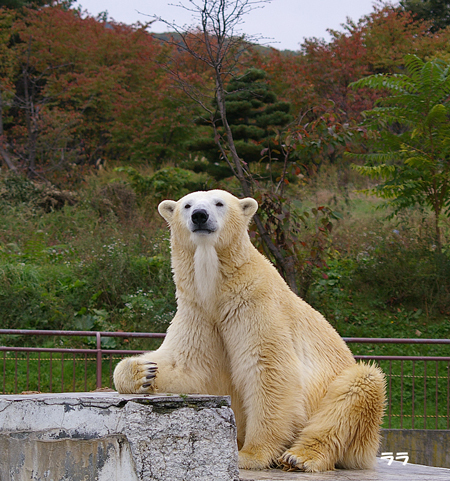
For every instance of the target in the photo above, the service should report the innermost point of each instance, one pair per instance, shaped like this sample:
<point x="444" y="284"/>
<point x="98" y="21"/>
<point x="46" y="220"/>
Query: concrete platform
<point x="382" y="472"/>
<point x="111" y="437"/>
<point x="105" y="436"/>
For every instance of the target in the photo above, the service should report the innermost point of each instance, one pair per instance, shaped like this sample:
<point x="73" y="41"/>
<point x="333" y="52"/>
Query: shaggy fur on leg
<point x="344" y="431"/>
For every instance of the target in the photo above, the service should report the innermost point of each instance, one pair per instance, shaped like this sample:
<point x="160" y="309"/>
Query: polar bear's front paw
<point x="290" y="462"/>
<point x="135" y="375"/>
<point x="150" y="370"/>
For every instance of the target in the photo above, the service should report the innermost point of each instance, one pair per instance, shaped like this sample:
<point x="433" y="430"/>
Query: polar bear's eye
<point x="219" y="204"/>
<point x="187" y="206"/>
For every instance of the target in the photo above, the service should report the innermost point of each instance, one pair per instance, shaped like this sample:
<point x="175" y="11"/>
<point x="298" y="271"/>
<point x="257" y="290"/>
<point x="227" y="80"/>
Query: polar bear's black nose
<point x="199" y="216"/>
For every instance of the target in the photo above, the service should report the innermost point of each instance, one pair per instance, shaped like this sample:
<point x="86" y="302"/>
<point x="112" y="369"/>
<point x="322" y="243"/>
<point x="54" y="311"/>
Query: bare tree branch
<point x="218" y="44"/>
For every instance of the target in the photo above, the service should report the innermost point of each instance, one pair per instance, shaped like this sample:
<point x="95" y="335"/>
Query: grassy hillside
<point x="104" y="261"/>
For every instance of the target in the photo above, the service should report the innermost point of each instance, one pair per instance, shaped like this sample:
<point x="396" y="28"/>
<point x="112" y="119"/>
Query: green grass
<point x="58" y="372"/>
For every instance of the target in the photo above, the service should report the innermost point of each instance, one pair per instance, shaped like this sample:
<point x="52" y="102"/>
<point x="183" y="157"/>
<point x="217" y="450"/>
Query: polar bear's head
<point x="208" y="217"/>
<point x="206" y="225"/>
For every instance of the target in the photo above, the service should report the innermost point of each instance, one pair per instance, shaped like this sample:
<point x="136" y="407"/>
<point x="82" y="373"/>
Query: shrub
<point x="405" y="269"/>
<point x="76" y="268"/>
<point x="167" y="183"/>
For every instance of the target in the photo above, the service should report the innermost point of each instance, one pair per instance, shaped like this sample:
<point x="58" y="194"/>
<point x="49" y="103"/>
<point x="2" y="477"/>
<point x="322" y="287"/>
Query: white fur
<point x="216" y="213"/>
<point x="206" y="269"/>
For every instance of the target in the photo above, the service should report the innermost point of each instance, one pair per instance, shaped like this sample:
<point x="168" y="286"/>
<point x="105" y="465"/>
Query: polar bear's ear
<point x="166" y="209"/>
<point x="249" y="207"/>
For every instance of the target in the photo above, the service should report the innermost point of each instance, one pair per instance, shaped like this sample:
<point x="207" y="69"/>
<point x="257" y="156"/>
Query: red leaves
<point x="109" y="76"/>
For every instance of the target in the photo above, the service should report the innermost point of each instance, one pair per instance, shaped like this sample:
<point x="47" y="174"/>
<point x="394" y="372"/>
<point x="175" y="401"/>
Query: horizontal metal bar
<point x="48" y="349"/>
<point x="155" y="335"/>
<point x="71" y="351"/>
<point x="389" y="340"/>
<point x="44" y="332"/>
<point x="107" y="352"/>
<point x="402" y="358"/>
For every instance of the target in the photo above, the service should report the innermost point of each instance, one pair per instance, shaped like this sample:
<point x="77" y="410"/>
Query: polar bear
<point x="299" y="398"/>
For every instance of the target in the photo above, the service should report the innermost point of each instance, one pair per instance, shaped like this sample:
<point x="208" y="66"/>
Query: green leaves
<point x="411" y="148"/>
<point x="396" y="83"/>
<point x="170" y="182"/>
<point x="437" y="116"/>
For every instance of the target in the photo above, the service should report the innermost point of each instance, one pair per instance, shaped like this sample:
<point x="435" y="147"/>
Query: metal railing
<point x="408" y="377"/>
<point x="21" y="355"/>
<point x="418" y="387"/>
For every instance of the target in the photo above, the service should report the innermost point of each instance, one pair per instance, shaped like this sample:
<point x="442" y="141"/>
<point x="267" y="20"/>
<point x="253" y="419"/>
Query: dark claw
<point x="146" y="385"/>
<point x="150" y="376"/>
<point x="150" y="362"/>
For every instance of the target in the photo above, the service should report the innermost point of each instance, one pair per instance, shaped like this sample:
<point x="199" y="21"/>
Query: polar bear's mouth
<point x="203" y="230"/>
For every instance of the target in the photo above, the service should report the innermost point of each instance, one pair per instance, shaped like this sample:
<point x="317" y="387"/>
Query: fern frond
<point x="398" y="83"/>
<point x="414" y="66"/>
<point x="419" y="161"/>
<point x="436" y="116"/>
<point x="382" y="170"/>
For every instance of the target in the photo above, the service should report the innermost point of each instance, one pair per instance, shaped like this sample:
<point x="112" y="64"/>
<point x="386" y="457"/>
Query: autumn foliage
<point x="83" y="91"/>
<point x="78" y="91"/>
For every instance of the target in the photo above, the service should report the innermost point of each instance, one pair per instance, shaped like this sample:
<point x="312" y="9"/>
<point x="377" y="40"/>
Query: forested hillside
<point x="99" y="121"/>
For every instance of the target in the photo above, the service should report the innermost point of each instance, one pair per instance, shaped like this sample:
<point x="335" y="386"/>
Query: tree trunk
<point x="287" y="265"/>
<point x="7" y="160"/>
<point x="437" y="232"/>
<point x="3" y="151"/>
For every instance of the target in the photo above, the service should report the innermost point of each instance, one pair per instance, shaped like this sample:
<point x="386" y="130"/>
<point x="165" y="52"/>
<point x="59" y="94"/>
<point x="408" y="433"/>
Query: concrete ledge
<point x="382" y="472"/>
<point x="112" y="437"/>
<point x="107" y="437"/>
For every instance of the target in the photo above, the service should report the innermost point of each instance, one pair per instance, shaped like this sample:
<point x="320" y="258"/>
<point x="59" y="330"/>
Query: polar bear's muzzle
<point x="201" y="223"/>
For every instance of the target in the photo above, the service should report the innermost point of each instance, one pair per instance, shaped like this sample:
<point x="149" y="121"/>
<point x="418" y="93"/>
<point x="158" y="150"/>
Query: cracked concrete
<point x="106" y="436"/>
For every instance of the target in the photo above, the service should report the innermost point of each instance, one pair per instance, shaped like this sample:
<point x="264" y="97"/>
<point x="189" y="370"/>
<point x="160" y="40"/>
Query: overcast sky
<point x="284" y="23"/>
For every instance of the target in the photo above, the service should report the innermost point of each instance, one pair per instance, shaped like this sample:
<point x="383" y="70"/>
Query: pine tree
<point x="253" y="111"/>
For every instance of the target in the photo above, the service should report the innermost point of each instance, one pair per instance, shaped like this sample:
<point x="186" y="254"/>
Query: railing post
<point x="99" y="360"/>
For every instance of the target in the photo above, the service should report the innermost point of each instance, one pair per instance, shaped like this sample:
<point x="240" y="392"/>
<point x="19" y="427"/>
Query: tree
<point x="80" y="91"/>
<point x="436" y="11"/>
<point x="219" y="47"/>
<point x="7" y="68"/>
<point x="391" y="33"/>
<point x="321" y="71"/>
<point x="253" y="113"/>
<point x="412" y="151"/>
<point x="19" y="4"/>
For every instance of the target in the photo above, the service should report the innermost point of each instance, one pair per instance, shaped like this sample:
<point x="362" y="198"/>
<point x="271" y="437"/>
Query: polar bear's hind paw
<point x="290" y="462"/>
